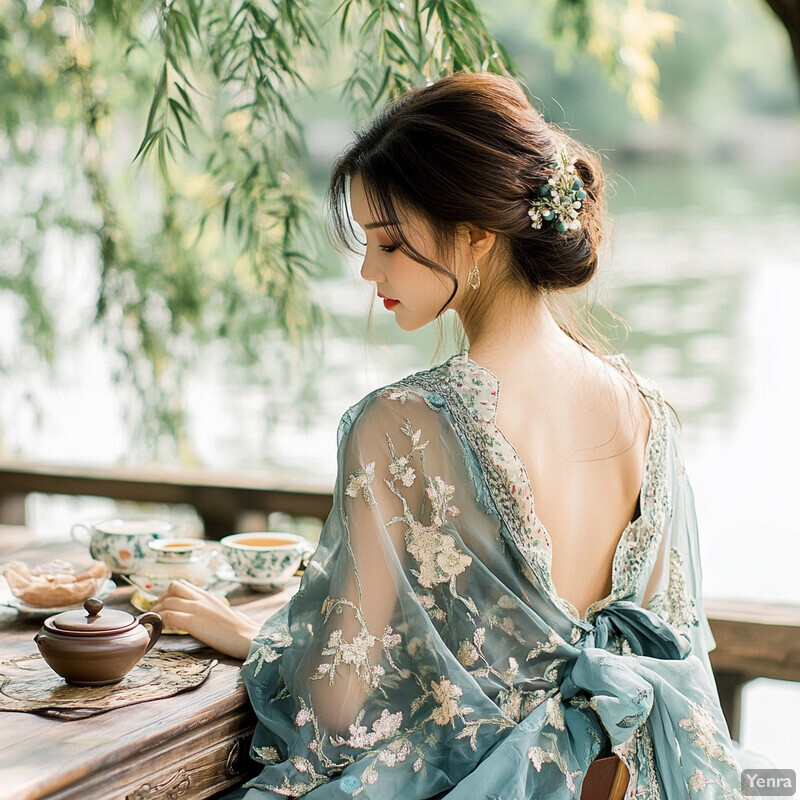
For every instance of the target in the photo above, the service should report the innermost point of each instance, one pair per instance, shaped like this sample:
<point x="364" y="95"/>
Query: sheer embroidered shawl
<point x="427" y="654"/>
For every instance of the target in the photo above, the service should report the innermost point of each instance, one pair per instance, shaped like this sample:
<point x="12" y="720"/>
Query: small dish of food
<point x="46" y="589"/>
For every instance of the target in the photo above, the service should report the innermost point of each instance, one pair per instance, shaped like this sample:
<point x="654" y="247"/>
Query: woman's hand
<point x="206" y="617"/>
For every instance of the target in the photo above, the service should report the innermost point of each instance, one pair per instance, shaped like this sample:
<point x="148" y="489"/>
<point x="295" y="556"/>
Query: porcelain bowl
<point x="265" y="560"/>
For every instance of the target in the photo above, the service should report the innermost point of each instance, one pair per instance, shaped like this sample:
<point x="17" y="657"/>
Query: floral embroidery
<point x="551" y="673"/>
<point x="510" y="703"/>
<point x="514" y="700"/>
<point x="409" y="431"/>
<point x="471" y="729"/>
<point x="538" y="756"/>
<point x="706" y="736"/>
<point x="440" y="494"/>
<point x="361" y="481"/>
<point x="698" y="781"/>
<point x="511" y="673"/>
<point x="472" y="400"/>
<point x="467" y="654"/>
<point x="395" y="753"/>
<point x="288" y="789"/>
<point x="264" y="653"/>
<point x="446" y="694"/>
<point x="396" y="394"/>
<point x="675" y="605"/>
<point x="399" y="469"/>
<point x="428" y="602"/>
<point x="550" y="646"/>
<point x="505" y="623"/>
<point x="356" y="653"/>
<point x="554" y="712"/>
<point x="303" y="716"/>
<point x="266" y="754"/>
<point x="384" y="727"/>
<point x="436" y="553"/>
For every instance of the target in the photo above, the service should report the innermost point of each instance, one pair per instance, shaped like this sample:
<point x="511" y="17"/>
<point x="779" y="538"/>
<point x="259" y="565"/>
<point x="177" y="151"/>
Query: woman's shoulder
<point x="646" y="386"/>
<point x="474" y="388"/>
<point x="663" y="446"/>
<point x="421" y="395"/>
<point x="457" y="378"/>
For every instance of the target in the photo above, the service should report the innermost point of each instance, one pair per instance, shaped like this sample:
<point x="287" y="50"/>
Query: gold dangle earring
<point x="474" y="277"/>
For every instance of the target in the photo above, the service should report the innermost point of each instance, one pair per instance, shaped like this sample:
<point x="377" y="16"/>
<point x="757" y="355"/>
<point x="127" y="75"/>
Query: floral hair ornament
<point x="559" y="200"/>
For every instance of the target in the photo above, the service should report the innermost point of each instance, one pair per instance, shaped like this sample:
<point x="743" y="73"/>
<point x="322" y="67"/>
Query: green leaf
<point x="158" y="95"/>
<point x="370" y="22"/>
<point x="343" y="9"/>
<point x="400" y="45"/>
<point x="177" y="110"/>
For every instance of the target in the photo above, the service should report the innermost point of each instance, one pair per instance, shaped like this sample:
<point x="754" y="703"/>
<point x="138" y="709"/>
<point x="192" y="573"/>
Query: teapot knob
<point x="93" y="606"/>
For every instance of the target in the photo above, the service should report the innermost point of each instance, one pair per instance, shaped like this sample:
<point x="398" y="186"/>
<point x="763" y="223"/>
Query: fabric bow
<point x="628" y="691"/>
<point x="646" y="632"/>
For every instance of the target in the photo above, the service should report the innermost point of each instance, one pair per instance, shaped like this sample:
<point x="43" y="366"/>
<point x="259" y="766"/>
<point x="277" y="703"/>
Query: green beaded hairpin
<point x="559" y="200"/>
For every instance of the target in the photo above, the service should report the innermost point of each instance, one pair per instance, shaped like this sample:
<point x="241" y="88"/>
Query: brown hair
<point x="471" y="149"/>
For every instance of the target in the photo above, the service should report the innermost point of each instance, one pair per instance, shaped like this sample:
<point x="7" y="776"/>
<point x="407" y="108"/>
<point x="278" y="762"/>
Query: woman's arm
<point x="363" y="593"/>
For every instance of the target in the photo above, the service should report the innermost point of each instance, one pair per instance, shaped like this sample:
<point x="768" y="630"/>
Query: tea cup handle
<point x="156" y="624"/>
<point x="79" y="528"/>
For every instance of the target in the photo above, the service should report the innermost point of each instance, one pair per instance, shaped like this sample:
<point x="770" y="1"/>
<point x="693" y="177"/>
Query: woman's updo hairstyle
<point x="470" y="148"/>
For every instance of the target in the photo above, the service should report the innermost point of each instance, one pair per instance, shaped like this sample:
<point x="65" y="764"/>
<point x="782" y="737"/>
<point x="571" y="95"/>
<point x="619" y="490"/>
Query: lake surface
<point x="705" y="268"/>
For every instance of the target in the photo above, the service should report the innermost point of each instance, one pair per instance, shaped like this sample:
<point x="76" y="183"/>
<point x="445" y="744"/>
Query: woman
<point x="509" y="584"/>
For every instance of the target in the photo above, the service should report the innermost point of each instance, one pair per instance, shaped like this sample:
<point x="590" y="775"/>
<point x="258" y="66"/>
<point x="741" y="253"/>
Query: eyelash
<point x="388" y="248"/>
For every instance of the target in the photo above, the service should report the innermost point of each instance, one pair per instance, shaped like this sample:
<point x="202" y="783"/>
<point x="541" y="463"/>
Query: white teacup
<point x="265" y="560"/>
<point x="180" y="551"/>
<point x="121" y="542"/>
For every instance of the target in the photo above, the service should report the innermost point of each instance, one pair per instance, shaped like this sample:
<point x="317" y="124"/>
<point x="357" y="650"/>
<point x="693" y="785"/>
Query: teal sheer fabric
<point x="427" y="653"/>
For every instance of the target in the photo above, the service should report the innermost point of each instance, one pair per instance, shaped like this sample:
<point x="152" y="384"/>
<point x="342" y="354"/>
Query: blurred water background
<point x="703" y="264"/>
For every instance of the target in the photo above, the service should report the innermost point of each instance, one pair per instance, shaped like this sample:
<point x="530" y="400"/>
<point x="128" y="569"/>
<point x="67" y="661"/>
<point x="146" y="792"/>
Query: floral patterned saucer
<point x="195" y="561"/>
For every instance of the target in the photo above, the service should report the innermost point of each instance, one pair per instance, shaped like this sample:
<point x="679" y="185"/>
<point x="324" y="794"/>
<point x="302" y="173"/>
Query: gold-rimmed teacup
<point x="265" y="560"/>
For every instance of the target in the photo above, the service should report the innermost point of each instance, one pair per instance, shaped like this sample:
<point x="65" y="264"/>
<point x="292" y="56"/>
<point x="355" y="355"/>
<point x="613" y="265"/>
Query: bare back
<point x="580" y="428"/>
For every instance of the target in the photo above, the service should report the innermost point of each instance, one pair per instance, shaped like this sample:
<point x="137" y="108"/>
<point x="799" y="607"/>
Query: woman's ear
<point x="481" y="242"/>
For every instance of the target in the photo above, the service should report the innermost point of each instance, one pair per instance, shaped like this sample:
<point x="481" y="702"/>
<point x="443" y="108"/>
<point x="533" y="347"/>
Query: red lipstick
<point x="388" y="303"/>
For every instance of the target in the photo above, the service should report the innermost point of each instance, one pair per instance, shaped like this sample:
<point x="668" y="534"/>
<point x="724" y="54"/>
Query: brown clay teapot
<point x="96" y="646"/>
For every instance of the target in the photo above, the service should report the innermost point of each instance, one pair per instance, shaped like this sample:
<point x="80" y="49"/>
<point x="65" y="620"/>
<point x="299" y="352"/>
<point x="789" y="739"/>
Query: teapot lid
<point x="93" y="618"/>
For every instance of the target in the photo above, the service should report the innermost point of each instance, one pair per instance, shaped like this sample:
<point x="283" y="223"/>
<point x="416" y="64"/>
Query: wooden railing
<point x="220" y="499"/>
<point x="754" y="639"/>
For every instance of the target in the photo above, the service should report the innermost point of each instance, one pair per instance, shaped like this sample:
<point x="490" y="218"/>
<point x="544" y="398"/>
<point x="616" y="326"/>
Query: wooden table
<point x="192" y="745"/>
